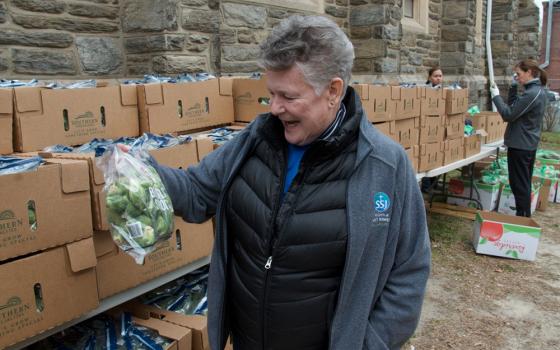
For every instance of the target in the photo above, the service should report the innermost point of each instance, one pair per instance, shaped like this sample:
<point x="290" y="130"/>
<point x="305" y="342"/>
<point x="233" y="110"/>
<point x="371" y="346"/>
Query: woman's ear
<point x="335" y="91"/>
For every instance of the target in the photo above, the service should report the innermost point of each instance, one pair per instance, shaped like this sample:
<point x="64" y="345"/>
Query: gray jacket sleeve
<point x="195" y="191"/>
<point x="395" y="316"/>
<point x="518" y="104"/>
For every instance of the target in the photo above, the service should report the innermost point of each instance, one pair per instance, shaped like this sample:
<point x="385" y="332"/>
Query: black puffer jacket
<point x="288" y="255"/>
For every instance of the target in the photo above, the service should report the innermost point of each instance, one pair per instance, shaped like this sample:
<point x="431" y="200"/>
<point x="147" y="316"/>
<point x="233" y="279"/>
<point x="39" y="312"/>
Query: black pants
<point x="520" y="168"/>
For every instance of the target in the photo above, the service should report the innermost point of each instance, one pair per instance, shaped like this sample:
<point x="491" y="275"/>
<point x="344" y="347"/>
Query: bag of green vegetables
<point x="139" y="209"/>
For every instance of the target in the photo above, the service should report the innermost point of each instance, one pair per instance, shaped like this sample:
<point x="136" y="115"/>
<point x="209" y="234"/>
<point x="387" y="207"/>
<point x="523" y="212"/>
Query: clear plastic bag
<point x="139" y="209"/>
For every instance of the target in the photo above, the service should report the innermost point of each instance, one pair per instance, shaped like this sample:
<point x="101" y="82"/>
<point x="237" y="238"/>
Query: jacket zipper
<point x="268" y="264"/>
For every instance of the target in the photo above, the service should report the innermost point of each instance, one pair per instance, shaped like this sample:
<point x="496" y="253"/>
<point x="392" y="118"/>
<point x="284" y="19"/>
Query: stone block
<point x="43" y="62"/>
<point x="197" y="42"/>
<point x="3" y="64"/>
<point x="149" y="15"/>
<point x="153" y="43"/>
<point x="43" y="6"/>
<point x="227" y="36"/>
<point x="361" y="32"/>
<point x="205" y="21"/>
<point x="385" y="65"/>
<point x="3" y="12"/>
<point x="362" y="65"/>
<point x="93" y="11"/>
<point x="138" y="65"/>
<point x="455" y="9"/>
<point x="99" y="55"/>
<point x="240" y="67"/>
<point x="194" y="2"/>
<point x="237" y="15"/>
<point x="277" y="13"/>
<point x="246" y="36"/>
<point x="335" y="11"/>
<point x="456" y="33"/>
<point x="370" y="48"/>
<point x="175" y="64"/>
<point x="452" y="59"/>
<point x="367" y="15"/>
<point x="240" y="52"/>
<point x="67" y="24"/>
<point x="44" y="39"/>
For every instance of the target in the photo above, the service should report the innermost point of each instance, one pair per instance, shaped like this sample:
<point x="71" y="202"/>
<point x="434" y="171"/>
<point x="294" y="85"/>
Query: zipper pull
<point x="268" y="263"/>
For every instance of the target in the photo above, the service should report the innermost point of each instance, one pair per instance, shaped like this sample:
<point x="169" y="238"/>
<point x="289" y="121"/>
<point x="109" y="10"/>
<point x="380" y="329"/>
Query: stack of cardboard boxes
<point x="493" y="125"/>
<point x="432" y="128"/>
<point x="57" y="258"/>
<point x="456" y="101"/>
<point x="395" y="111"/>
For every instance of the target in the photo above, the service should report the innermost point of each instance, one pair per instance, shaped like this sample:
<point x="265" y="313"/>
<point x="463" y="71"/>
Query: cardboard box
<point x="57" y="194"/>
<point x="181" y="337"/>
<point x="6" y="121"/>
<point x="431" y="156"/>
<point x="407" y="100"/>
<point x="453" y="150"/>
<point x="180" y="156"/>
<point x="472" y="145"/>
<point x="44" y="290"/>
<point x="494" y="127"/>
<point x="456" y="101"/>
<point x="544" y="194"/>
<point x="196" y="323"/>
<point x="376" y="102"/>
<point x="205" y="144"/>
<point x="388" y="129"/>
<point x="506" y="236"/>
<point x="408" y="131"/>
<point x="554" y="195"/>
<point x="413" y="154"/>
<point x="45" y="117"/>
<point x="432" y="128"/>
<point x="485" y="194"/>
<point x="167" y="107"/>
<point x="432" y="101"/>
<point x="117" y="271"/>
<point x="454" y="126"/>
<point x="507" y="200"/>
<point x="250" y="98"/>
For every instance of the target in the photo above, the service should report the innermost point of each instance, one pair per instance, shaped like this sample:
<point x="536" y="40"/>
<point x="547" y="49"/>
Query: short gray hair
<point x="315" y="44"/>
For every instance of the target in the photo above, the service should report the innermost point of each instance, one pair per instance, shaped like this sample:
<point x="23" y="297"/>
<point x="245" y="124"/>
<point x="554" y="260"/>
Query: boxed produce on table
<point x="472" y="145"/>
<point x="507" y="236"/>
<point x="431" y="156"/>
<point x="73" y="116"/>
<point x="182" y="302"/>
<point x="47" y="203"/>
<point x="207" y="141"/>
<point x="179" y="155"/>
<point x="117" y="271"/>
<point x="118" y="330"/>
<point x="377" y="102"/>
<point x="407" y="99"/>
<point x="250" y="97"/>
<point x="432" y="101"/>
<point x="180" y="107"/>
<point x="454" y="126"/>
<point x="456" y="100"/>
<point x="6" y="121"/>
<point x="46" y="289"/>
<point x="486" y="194"/>
<point x="432" y="128"/>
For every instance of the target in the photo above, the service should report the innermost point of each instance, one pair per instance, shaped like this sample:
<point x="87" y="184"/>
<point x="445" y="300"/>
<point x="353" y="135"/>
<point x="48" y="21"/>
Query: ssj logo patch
<point x="381" y="202"/>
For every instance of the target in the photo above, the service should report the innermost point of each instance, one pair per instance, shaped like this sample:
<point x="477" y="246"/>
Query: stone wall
<point x="125" y="38"/>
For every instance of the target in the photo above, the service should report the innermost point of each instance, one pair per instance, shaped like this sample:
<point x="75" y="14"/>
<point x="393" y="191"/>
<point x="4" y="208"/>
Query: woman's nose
<point x="276" y="106"/>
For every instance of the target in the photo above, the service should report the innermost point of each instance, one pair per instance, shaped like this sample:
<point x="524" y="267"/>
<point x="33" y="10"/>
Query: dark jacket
<point x="387" y="253"/>
<point x="298" y="237"/>
<point x="524" y="114"/>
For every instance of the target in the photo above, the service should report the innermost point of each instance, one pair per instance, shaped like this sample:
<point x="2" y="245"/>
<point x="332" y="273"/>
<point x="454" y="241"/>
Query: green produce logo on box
<point x="246" y="98"/>
<point x="12" y="309"/>
<point x="9" y="222"/>
<point x="85" y="120"/>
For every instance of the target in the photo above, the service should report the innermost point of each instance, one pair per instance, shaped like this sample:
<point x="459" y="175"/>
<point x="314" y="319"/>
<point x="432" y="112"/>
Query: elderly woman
<point x="321" y="238"/>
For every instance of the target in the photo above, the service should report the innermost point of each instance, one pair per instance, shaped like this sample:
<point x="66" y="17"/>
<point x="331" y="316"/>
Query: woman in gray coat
<point x="524" y="114"/>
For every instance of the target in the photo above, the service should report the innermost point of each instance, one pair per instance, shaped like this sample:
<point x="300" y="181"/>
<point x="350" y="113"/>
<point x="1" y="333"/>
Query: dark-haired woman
<point x="524" y="115"/>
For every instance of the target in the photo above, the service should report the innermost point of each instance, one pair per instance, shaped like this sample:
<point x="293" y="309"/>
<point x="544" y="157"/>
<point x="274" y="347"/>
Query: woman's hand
<point x="494" y="91"/>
